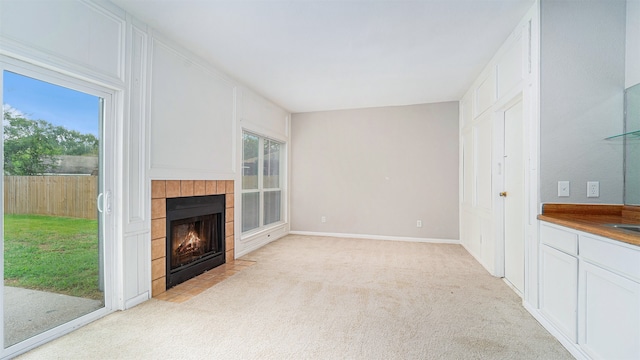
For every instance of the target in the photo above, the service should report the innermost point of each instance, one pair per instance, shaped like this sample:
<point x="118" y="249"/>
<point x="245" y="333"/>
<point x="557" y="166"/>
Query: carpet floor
<point x="328" y="298"/>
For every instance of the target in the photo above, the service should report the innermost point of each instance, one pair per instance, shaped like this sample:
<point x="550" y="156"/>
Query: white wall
<point x="262" y="117"/>
<point x="581" y="98"/>
<point x="84" y="44"/>
<point x="175" y="115"/>
<point x="191" y="116"/>
<point x="71" y="35"/>
<point x="259" y="116"/>
<point x="508" y="78"/>
<point x="377" y="171"/>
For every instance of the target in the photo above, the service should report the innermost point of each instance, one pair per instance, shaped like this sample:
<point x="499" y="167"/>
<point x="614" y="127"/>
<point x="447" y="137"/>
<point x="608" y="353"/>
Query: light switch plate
<point x="563" y="189"/>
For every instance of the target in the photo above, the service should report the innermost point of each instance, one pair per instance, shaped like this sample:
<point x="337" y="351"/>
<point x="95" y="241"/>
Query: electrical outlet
<point x="563" y="189"/>
<point x="593" y="189"/>
<point x="419" y="223"/>
<point x="323" y="219"/>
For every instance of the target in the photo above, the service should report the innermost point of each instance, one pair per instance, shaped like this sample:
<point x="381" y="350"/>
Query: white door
<point x="514" y="197"/>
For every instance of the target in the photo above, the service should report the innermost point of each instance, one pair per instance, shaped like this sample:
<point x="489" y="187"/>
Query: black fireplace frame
<point x="187" y="207"/>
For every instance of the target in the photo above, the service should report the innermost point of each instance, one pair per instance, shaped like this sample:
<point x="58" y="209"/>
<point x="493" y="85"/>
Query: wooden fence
<point x="62" y="195"/>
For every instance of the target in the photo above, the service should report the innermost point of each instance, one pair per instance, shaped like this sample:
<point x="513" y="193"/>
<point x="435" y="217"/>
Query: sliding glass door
<point x="54" y="204"/>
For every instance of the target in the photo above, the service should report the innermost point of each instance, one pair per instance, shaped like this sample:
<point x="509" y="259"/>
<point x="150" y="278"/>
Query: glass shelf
<point x="629" y="133"/>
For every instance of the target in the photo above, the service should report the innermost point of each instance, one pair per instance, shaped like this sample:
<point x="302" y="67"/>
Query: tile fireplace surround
<point x="161" y="190"/>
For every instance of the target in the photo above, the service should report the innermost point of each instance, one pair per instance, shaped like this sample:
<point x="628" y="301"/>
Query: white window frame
<point x="261" y="189"/>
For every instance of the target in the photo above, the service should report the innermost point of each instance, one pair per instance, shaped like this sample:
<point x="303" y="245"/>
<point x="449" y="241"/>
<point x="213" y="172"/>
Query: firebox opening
<point x="191" y="239"/>
<point x="195" y="236"/>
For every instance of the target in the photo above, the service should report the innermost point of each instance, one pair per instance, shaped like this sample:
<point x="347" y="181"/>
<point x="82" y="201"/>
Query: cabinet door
<point x="609" y="314"/>
<point x="559" y="290"/>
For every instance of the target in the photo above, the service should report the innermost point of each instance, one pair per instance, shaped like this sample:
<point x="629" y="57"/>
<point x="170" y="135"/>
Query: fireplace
<point x="195" y="236"/>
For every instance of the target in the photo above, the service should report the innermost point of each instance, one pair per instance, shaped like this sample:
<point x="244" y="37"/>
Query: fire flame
<point x="191" y="242"/>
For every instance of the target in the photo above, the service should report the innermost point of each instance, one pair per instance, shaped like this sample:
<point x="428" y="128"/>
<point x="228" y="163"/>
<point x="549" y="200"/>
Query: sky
<point x="39" y="100"/>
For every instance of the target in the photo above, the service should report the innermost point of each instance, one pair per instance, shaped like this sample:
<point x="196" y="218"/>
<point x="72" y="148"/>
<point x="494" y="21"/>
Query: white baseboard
<point x="137" y="300"/>
<point x="479" y="260"/>
<point x="377" y="237"/>
<point x="257" y="240"/>
<point x="572" y="347"/>
<point x="513" y="288"/>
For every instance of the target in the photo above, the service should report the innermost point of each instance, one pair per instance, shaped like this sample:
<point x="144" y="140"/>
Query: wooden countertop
<point x="592" y="219"/>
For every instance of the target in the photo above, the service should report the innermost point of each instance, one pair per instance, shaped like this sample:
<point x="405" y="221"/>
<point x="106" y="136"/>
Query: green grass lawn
<point x="55" y="254"/>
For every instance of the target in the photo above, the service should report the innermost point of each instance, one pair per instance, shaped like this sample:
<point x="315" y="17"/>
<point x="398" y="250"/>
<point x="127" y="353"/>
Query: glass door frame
<point x="108" y="175"/>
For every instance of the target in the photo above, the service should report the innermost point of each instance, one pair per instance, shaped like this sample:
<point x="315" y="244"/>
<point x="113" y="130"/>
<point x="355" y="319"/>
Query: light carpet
<point x="328" y="298"/>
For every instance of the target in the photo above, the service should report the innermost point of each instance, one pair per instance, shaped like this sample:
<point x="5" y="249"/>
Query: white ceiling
<point x="313" y="55"/>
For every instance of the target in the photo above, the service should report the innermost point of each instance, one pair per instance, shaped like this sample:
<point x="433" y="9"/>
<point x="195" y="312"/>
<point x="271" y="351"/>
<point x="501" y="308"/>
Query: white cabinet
<point x="590" y="291"/>
<point x="609" y="318"/>
<point x="559" y="238"/>
<point x="559" y="290"/>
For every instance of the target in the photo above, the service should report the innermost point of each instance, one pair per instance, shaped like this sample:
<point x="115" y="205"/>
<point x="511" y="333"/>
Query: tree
<point x="31" y="146"/>
<point x="72" y="142"/>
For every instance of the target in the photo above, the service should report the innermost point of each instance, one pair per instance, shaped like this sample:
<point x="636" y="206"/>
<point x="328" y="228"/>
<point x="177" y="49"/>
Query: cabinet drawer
<point x="559" y="239"/>
<point x="618" y="258"/>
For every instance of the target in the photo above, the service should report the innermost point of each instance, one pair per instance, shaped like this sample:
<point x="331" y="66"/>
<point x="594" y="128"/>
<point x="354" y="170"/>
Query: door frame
<point x="111" y="179"/>
<point x="498" y="180"/>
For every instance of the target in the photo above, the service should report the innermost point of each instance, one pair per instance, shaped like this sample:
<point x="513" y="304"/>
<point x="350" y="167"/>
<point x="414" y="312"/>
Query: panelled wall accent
<point x="80" y="37"/>
<point x="191" y="116"/>
<point x="509" y="78"/>
<point x="178" y="117"/>
<point x="134" y="188"/>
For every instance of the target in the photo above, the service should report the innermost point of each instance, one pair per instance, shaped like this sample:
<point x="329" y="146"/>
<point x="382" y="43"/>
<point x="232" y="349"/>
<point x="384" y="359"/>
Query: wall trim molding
<point x="257" y="240"/>
<point x="571" y="347"/>
<point x="378" y="237"/>
<point x="137" y="300"/>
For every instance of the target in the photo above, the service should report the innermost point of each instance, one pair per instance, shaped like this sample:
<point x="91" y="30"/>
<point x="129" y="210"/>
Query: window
<point x="261" y="181"/>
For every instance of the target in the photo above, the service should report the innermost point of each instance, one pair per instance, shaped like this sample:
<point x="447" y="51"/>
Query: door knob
<point x="503" y="194"/>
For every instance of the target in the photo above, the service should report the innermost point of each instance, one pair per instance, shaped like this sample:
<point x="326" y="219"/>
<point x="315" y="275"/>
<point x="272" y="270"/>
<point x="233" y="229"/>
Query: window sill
<point x="259" y="233"/>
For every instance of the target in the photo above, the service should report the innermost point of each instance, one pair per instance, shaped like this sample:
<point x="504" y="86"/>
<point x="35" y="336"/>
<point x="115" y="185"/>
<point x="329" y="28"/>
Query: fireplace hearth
<point x="195" y="236"/>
